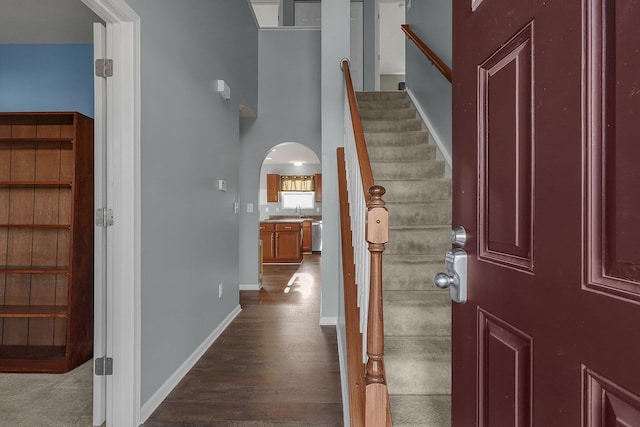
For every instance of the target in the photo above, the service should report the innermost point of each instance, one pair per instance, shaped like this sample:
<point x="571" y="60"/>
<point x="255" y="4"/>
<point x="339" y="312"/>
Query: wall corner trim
<point x="328" y="321"/>
<point x="171" y="382"/>
<point x="344" y="377"/>
<point x="250" y="287"/>
<point x="434" y="134"/>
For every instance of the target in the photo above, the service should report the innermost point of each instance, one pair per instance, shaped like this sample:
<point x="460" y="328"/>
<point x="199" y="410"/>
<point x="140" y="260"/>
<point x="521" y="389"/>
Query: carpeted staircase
<point x="417" y="316"/>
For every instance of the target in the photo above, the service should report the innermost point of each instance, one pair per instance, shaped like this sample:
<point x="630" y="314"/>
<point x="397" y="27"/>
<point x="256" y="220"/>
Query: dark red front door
<point x="546" y="118"/>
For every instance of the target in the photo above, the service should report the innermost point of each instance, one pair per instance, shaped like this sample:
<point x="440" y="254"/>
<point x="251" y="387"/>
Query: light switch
<point x="222" y="185"/>
<point x="249" y="207"/>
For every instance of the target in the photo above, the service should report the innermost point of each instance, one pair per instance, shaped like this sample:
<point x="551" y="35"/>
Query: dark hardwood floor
<point x="273" y="366"/>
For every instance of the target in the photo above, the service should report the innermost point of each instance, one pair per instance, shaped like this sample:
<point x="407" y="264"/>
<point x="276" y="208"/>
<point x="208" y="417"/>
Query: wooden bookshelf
<point x="46" y="241"/>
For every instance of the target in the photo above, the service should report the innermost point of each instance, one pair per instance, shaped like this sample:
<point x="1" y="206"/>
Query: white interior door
<point x="100" y="233"/>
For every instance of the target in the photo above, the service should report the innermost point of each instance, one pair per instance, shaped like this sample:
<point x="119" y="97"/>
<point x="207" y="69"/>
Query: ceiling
<point x="289" y="152"/>
<point x="46" y="21"/>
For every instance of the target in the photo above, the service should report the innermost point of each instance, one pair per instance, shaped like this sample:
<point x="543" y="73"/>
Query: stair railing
<point x="430" y="54"/>
<point x="365" y="230"/>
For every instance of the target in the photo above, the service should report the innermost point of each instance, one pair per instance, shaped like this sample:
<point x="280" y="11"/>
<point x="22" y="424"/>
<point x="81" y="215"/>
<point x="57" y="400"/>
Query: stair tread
<point x="417" y="345"/>
<point x="402" y="133"/>
<point x="426" y="227"/>
<point x="413" y="297"/>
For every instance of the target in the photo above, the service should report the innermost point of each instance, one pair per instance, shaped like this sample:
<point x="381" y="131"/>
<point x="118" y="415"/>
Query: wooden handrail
<point x="435" y="59"/>
<point x="358" y="133"/>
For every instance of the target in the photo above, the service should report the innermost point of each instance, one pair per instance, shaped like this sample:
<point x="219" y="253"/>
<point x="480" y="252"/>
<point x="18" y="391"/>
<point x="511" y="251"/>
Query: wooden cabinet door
<point x="273" y="187"/>
<point x="306" y="236"/>
<point x="288" y="246"/>
<point x="268" y="246"/>
<point x="545" y="137"/>
<point x="318" y="185"/>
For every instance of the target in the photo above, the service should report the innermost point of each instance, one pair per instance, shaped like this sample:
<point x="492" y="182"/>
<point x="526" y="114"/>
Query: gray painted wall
<point x="370" y="18"/>
<point x="431" y="21"/>
<point x="43" y="22"/>
<point x="335" y="46"/>
<point x="288" y="111"/>
<point x="190" y="139"/>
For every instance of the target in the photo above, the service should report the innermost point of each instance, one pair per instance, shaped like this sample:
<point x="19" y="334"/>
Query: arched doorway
<point x="290" y="192"/>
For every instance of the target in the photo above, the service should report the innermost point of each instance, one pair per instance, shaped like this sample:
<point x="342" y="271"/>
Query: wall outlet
<point x="220" y="290"/>
<point x="249" y="207"/>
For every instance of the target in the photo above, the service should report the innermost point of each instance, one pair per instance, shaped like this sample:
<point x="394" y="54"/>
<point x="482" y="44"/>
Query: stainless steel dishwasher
<point x="316" y="236"/>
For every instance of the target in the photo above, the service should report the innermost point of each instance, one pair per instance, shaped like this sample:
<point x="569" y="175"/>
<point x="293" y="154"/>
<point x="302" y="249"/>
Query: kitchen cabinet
<point x="306" y="236"/>
<point x="273" y="187"/>
<point x="318" y="185"/>
<point x="267" y="236"/>
<point x="281" y="242"/>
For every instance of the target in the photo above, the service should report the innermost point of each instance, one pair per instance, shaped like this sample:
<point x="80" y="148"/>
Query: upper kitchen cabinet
<point x="273" y="187"/>
<point x="318" y="182"/>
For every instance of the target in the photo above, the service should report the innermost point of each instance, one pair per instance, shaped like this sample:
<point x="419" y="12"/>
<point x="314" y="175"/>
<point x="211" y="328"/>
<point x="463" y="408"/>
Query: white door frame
<point x="100" y="233"/>
<point x="123" y="194"/>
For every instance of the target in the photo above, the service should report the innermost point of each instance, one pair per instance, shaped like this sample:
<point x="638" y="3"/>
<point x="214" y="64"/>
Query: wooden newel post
<point x="377" y="236"/>
<point x="377" y="398"/>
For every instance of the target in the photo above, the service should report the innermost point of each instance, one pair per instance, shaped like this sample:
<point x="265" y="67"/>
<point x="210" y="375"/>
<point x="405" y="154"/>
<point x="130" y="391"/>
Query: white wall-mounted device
<point x="223" y="89"/>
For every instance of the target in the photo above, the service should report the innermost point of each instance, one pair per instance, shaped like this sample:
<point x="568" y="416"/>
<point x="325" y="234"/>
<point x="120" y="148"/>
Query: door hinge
<point x="104" y="67"/>
<point x="104" y="217"/>
<point x="104" y="366"/>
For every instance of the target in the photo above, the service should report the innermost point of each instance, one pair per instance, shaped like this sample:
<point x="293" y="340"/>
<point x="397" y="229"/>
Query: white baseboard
<point x="166" y="388"/>
<point x="328" y="321"/>
<point x="250" y="287"/>
<point x="434" y="134"/>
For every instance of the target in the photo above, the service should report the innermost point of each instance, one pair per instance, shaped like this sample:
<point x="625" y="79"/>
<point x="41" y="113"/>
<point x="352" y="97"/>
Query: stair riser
<point x="409" y="214"/>
<point x="418" y="365"/>
<point x="397" y="114"/>
<point x="430" y="315"/>
<point x="414" y="191"/>
<point x="380" y="96"/>
<point x="392" y="125"/>
<point x="409" y="153"/>
<point x="377" y="139"/>
<point x="406" y="276"/>
<point x="384" y="105"/>
<point x="416" y="241"/>
<point x="417" y="170"/>
<point x="417" y="376"/>
<point x="420" y="410"/>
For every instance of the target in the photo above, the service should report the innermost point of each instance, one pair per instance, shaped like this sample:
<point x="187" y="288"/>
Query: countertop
<point x="293" y="217"/>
